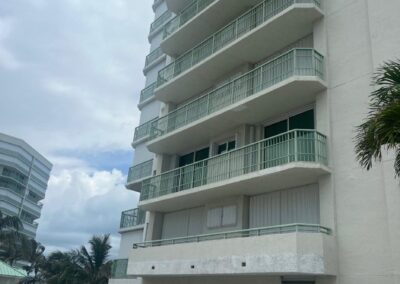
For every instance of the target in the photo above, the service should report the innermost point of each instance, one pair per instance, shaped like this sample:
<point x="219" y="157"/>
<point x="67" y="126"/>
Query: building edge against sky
<point x="24" y="174"/>
<point x="244" y="157"/>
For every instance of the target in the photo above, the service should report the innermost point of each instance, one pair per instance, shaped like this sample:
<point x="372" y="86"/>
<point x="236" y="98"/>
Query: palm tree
<point x="61" y="268"/>
<point x="32" y="252"/>
<point x="81" y="266"/>
<point x="381" y="130"/>
<point x="9" y="223"/>
<point x="95" y="264"/>
<point x="10" y="238"/>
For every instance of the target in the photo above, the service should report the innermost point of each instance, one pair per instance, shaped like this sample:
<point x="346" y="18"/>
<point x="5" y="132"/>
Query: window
<point x="303" y="120"/>
<point x="224" y="216"/>
<point x="194" y="157"/>
<point x="226" y="147"/>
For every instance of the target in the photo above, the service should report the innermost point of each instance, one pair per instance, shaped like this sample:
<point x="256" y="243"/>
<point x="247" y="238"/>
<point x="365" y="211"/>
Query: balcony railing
<point x="153" y="56"/>
<point x="147" y="93"/>
<point x="242" y="25"/>
<point x="132" y="218"/>
<point x="292" y="146"/>
<point x="280" y="229"/>
<point x="140" y="171"/>
<point x="119" y="269"/>
<point x="160" y="21"/>
<point x="297" y="62"/>
<point x="143" y="130"/>
<point x="185" y="16"/>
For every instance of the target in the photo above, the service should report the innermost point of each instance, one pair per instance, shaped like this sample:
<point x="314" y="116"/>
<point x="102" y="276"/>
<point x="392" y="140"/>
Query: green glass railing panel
<point x="297" y="62"/>
<point x="242" y="25"/>
<point x="254" y="232"/>
<point x="293" y="146"/>
<point x="143" y="130"/>
<point x="140" y="171"/>
<point x="153" y="56"/>
<point x="147" y="93"/>
<point x="119" y="268"/>
<point x="132" y="218"/>
<point x="188" y="13"/>
<point x="160" y="21"/>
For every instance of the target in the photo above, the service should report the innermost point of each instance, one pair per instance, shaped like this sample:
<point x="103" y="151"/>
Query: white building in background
<point x="24" y="174"/>
<point x="244" y="157"/>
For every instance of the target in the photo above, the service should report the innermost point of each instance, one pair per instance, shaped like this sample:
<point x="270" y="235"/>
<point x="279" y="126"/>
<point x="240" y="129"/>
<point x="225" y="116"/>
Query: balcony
<point x="177" y="5"/>
<point x="250" y="38"/>
<point x="119" y="268"/>
<point x="146" y="95"/>
<point x="33" y="207"/>
<point x="158" y="24"/>
<point x="138" y="173"/>
<point x="198" y="20"/>
<point x="288" y="249"/>
<point x="142" y="133"/>
<point x="294" y="158"/>
<point x="132" y="218"/>
<point x="291" y="80"/>
<point x="155" y="57"/>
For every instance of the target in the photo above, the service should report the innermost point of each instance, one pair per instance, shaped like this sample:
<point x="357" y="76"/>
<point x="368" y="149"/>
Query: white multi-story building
<point x="244" y="158"/>
<point x="24" y="174"/>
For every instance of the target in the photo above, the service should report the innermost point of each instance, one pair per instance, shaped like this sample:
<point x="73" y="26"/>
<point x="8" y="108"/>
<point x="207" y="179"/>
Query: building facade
<point x="24" y="174"/>
<point x="244" y="157"/>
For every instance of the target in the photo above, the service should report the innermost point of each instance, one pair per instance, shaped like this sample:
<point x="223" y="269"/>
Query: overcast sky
<point x="70" y="78"/>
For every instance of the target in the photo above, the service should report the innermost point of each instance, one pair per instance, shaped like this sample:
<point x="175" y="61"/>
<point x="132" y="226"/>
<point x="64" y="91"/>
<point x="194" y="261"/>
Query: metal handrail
<point x="140" y="171"/>
<point x="153" y="56"/>
<point x="147" y="93"/>
<point x="279" y="229"/>
<point x="132" y="218"/>
<point x="300" y="145"/>
<point x="161" y="20"/>
<point x="119" y="268"/>
<point x="143" y="130"/>
<point x="234" y="30"/>
<point x="188" y="13"/>
<point x="295" y="62"/>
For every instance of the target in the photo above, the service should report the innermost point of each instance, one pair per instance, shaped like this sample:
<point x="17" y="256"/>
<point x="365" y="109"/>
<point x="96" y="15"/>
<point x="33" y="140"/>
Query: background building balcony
<point x="146" y="95"/>
<point x="283" y="250"/>
<point x="250" y="38"/>
<point x="198" y="20"/>
<point x="154" y="58"/>
<point x="119" y="268"/>
<point x="158" y="24"/>
<point x="138" y="173"/>
<point x="289" y="81"/>
<point x="295" y="158"/>
<point x="177" y="5"/>
<point x="132" y="218"/>
<point x="142" y="132"/>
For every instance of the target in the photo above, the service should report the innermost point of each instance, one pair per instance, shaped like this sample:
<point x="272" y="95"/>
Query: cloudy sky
<point x="70" y="78"/>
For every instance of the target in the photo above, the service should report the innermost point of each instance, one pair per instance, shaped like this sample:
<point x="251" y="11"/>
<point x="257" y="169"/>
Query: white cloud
<point x="79" y="76"/>
<point x="79" y="204"/>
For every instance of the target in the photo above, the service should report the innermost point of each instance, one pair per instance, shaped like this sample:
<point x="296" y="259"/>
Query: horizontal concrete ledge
<point x="280" y="254"/>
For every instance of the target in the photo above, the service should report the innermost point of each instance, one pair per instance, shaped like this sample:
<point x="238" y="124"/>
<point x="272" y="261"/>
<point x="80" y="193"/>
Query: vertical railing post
<point x="259" y="150"/>
<point x="295" y="146"/>
<point x="229" y="164"/>
<point x="316" y="146"/>
<point x="294" y="62"/>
